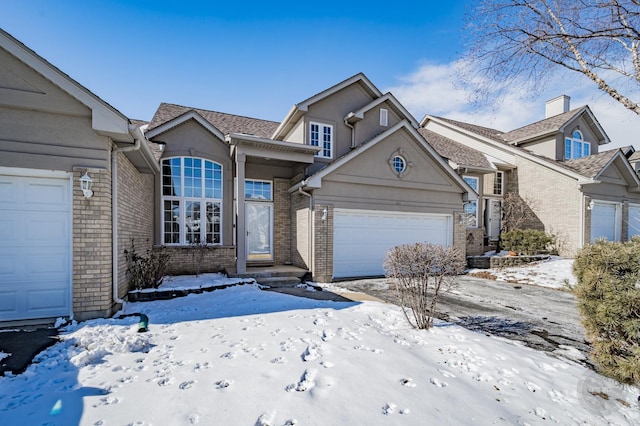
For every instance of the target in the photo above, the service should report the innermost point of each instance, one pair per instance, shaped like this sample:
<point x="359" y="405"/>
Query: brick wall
<point x="92" y="284"/>
<point x="300" y="230"/>
<point x="323" y="243"/>
<point x="135" y="216"/>
<point x="474" y="241"/>
<point x="282" y="221"/>
<point x="556" y="201"/>
<point x="187" y="260"/>
<point x="459" y="233"/>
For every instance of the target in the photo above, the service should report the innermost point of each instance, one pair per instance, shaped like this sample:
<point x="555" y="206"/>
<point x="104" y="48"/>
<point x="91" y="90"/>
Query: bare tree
<point x="526" y="40"/>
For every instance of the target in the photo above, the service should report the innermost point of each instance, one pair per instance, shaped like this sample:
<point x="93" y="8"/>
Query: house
<point x="556" y="166"/>
<point x="345" y="176"/>
<point x="61" y="253"/>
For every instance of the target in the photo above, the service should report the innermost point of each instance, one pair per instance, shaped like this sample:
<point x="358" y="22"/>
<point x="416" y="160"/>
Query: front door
<point x="259" y="218"/>
<point x="494" y="217"/>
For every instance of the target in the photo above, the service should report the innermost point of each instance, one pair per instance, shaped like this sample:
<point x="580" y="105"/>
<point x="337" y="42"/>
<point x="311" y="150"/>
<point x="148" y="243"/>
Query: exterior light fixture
<point x="85" y="185"/>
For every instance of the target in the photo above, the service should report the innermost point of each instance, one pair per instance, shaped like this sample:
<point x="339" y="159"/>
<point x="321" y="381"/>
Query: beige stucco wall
<point x="369" y="126"/>
<point x="192" y="140"/>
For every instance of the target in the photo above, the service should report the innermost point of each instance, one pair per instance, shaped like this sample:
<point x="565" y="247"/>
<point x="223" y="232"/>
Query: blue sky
<point x="258" y="59"/>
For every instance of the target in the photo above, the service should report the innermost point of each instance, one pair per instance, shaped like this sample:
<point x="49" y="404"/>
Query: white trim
<point x="271" y="207"/>
<point x="384" y="117"/>
<point x="495" y="178"/>
<point x="617" y="219"/>
<point x="182" y="118"/>
<point x="630" y="206"/>
<point x="18" y="171"/>
<point x="477" y="179"/>
<point x="321" y="129"/>
<point x="258" y="199"/>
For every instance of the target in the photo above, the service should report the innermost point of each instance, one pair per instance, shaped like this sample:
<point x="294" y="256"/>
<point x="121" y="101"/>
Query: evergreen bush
<point x="528" y="242"/>
<point x="608" y="293"/>
<point x="420" y="271"/>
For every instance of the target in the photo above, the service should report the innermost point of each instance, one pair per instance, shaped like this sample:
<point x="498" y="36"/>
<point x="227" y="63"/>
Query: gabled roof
<point x="462" y="155"/>
<point x="300" y="108"/>
<point x="486" y="132"/>
<point x="395" y="105"/>
<point x="591" y="165"/>
<point x="315" y="180"/>
<point x="555" y="124"/>
<point x="105" y="119"/>
<point x="170" y="115"/>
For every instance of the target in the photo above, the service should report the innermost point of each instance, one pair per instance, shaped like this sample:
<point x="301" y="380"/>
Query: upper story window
<point x="384" y="117"/>
<point x="576" y="146"/>
<point x="322" y="135"/>
<point x="471" y="207"/>
<point x="498" y="183"/>
<point x="191" y="201"/>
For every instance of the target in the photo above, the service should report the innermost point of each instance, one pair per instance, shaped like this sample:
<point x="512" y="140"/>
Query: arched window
<point x="191" y="201"/>
<point x="576" y="146"/>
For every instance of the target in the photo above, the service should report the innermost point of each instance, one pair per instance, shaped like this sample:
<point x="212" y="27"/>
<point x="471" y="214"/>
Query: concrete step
<point x="278" y="282"/>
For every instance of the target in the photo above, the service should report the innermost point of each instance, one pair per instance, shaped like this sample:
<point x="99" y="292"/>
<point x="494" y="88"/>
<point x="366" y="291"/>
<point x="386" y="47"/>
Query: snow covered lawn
<point x="556" y="272"/>
<point x="242" y="356"/>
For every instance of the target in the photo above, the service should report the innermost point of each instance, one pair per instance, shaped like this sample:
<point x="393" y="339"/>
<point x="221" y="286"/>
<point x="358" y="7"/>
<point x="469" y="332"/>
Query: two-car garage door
<point x="35" y="247"/>
<point x="362" y="237"/>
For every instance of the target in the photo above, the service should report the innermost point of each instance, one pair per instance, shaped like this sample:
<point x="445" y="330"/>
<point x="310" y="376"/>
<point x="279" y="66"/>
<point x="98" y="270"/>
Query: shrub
<point x="146" y="271"/>
<point x="528" y="242"/>
<point x="608" y="293"/>
<point x="420" y="271"/>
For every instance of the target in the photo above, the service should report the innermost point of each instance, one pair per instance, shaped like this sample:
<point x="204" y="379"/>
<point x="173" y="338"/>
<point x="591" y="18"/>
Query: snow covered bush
<point x="528" y="242"/>
<point x="146" y="271"/>
<point x="420" y="271"/>
<point x="608" y="293"/>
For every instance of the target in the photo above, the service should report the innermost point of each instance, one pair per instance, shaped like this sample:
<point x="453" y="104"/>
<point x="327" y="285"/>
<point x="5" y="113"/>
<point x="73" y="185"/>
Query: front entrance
<point x="259" y="217"/>
<point x="493" y="216"/>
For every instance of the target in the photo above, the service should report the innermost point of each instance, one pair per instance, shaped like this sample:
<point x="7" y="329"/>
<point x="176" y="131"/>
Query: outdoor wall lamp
<point x="85" y="185"/>
<point x="324" y="214"/>
<point x="591" y="204"/>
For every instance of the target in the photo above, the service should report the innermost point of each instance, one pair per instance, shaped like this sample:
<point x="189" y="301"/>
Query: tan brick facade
<point x="135" y="216"/>
<point x="92" y="252"/>
<point x="323" y="243"/>
<point x="300" y="255"/>
<point x="281" y="221"/>
<point x="187" y="260"/>
<point x="474" y="241"/>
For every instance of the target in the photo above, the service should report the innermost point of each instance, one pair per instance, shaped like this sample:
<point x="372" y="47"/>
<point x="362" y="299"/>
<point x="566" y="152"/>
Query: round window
<point x="399" y="164"/>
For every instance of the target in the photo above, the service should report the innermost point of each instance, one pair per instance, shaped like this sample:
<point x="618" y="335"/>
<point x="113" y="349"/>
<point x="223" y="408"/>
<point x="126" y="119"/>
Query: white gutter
<point x="138" y="137"/>
<point x="353" y="136"/>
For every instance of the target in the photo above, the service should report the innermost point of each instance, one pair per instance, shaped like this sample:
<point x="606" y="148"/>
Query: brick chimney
<point x="557" y="106"/>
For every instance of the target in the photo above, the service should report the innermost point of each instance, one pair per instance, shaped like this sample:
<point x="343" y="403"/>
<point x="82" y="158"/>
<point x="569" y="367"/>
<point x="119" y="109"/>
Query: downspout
<point x="138" y="137"/>
<point x="353" y="132"/>
<point x="309" y="220"/>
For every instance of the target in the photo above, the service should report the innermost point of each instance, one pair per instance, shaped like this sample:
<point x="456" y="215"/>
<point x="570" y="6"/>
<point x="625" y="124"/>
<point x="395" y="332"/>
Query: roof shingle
<point x="226" y="123"/>
<point x="454" y="151"/>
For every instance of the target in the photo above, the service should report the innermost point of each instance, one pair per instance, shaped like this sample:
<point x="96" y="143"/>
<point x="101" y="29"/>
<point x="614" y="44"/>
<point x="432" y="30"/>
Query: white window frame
<point x="495" y="180"/>
<point x="574" y="143"/>
<point x="384" y="117"/>
<point x="632" y="226"/>
<point x="183" y="200"/>
<point x="468" y="215"/>
<point x="327" y="146"/>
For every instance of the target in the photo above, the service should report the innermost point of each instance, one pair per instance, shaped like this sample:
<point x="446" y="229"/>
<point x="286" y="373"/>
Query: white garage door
<point x="361" y="238"/>
<point x="35" y="247"/>
<point x="605" y="221"/>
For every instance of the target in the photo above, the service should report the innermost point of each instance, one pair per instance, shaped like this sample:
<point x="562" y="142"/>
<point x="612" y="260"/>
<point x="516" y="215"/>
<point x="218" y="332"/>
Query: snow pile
<point x="245" y="356"/>
<point x="556" y="272"/>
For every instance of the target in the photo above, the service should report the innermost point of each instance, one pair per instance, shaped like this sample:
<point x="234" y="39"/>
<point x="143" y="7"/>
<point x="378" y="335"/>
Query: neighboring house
<point x="61" y="254"/>
<point x="555" y="165"/>
<point x="344" y="177"/>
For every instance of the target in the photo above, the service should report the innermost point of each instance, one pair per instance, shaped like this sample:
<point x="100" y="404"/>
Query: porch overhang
<point x="271" y="151"/>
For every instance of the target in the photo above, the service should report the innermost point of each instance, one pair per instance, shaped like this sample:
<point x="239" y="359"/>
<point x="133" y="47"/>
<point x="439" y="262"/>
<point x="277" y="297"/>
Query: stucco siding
<point x="369" y="126"/>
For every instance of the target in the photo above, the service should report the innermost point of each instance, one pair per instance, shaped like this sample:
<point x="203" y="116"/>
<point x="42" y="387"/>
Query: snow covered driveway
<point x="242" y="356"/>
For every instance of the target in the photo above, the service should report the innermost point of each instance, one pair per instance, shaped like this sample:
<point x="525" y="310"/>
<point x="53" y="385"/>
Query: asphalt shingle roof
<point x="455" y="151"/>
<point x="487" y="132"/>
<point x="226" y="123"/>
<point x="541" y="127"/>
<point x="592" y="165"/>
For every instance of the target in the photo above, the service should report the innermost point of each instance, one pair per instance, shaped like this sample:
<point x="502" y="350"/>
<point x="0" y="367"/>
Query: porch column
<point x="241" y="223"/>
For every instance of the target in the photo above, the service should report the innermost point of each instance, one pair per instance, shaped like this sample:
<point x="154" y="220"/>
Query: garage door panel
<point x="35" y="247"/>
<point x="605" y="221"/>
<point x="361" y="239"/>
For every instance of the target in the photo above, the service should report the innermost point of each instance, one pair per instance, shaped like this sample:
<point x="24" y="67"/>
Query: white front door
<point x="494" y="218"/>
<point x="35" y="247"/>
<point x="259" y="217"/>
